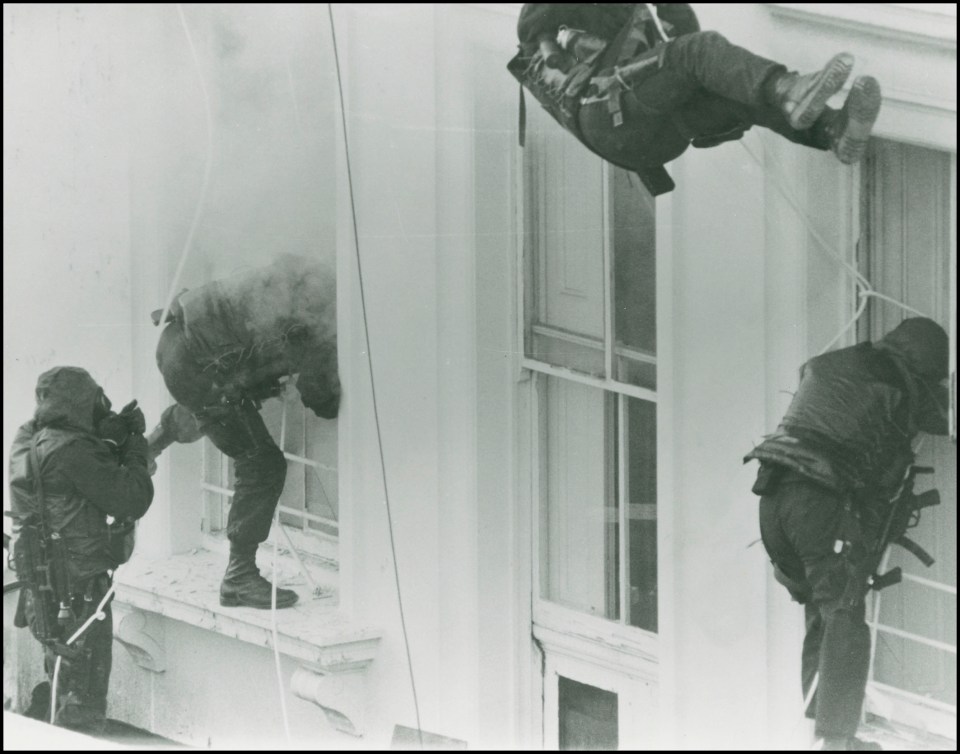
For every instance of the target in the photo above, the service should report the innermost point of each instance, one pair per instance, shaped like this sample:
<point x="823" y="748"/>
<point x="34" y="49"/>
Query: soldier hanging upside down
<point x="224" y="349"/>
<point x="605" y="72"/>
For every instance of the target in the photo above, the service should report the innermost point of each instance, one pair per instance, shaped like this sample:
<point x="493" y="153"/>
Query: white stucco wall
<point x="66" y="203"/>
<point x="103" y="170"/>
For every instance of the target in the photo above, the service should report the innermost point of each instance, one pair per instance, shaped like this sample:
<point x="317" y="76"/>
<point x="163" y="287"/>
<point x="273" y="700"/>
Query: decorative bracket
<point x="136" y="631"/>
<point x="337" y="689"/>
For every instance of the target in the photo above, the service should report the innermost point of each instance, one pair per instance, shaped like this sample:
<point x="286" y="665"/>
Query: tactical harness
<point x="640" y="49"/>
<point x="584" y="80"/>
<point x="51" y="603"/>
<point x="868" y="528"/>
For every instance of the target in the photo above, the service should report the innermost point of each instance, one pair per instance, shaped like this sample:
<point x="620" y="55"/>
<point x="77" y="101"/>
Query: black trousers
<point x="84" y="676"/>
<point x="800" y="522"/>
<point x="706" y="88"/>
<point x="237" y="430"/>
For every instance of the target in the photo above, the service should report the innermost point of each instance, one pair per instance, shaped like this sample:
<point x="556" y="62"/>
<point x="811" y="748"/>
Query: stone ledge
<point x="186" y="588"/>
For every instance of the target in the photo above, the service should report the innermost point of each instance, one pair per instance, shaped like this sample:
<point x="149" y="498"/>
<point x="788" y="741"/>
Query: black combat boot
<point x="243" y="586"/>
<point x="803" y="98"/>
<point x="849" y="129"/>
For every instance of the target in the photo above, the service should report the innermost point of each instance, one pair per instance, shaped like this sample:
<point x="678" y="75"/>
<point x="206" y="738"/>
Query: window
<point x="588" y="717"/>
<point x="270" y="75"/>
<point x="309" y="502"/>
<point x="589" y="333"/>
<point x="908" y="214"/>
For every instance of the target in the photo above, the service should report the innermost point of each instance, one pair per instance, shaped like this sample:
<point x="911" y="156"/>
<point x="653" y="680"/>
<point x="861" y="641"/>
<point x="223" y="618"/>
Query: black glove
<point x="134" y="451"/>
<point x="113" y="430"/>
<point x="133" y="416"/>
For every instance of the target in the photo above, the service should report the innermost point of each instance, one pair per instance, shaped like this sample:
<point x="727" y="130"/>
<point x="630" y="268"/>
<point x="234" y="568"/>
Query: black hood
<point x="66" y="396"/>
<point x="923" y="346"/>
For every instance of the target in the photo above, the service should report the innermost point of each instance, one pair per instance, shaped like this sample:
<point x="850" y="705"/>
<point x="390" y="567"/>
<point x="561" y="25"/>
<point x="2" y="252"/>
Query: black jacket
<point x="83" y="479"/>
<point x="592" y="124"/>
<point x="245" y="331"/>
<point x="857" y="410"/>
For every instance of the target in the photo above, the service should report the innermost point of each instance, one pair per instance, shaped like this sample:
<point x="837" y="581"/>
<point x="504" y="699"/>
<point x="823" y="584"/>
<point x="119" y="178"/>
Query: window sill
<point x="333" y="652"/>
<point x="624" y="649"/>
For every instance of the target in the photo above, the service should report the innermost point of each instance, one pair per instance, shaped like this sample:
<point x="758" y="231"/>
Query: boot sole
<point x="233" y="601"/>
<point x="832" y="78"/>
<point x="862" y="107"/>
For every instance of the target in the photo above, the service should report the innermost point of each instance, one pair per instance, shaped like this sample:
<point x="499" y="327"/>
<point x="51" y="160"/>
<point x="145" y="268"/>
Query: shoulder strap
<point x="634" y="35"/>
<point x="38" y="480"/>
<point x="38" y="492"/>
<point x="522" y="124"/>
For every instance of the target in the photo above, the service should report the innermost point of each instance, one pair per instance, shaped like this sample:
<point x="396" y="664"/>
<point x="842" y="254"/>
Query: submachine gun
<point x="41" y="571"/>
<point x="902" y="513"/>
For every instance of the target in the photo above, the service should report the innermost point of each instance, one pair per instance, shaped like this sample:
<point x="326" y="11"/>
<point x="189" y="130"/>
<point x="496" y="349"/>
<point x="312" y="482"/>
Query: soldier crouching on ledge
<point x="223" y="351"/>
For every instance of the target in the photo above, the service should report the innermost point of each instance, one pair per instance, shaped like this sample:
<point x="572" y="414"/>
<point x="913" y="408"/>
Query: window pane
<point x="579" y="528"/>
<point x="633" y="234"/>
<point x="587" y="717"/>
<point x="906" y="207"/>
<point x="561" y="349"/>
<point x="564" y="243"/>
<point x="642" y="512"/>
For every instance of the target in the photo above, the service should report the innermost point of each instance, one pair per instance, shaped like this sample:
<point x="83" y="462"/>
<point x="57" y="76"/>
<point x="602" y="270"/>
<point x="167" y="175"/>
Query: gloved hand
<point x="179" y="425"/>
<point x="113" y="430"/>
<point x="134" y="451"/>
<point x="133" y="416"/>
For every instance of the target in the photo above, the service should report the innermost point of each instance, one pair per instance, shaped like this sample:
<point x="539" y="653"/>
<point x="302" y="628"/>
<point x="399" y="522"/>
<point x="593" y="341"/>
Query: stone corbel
<point x="338" y="689"/>
<point x="142" y="636"/>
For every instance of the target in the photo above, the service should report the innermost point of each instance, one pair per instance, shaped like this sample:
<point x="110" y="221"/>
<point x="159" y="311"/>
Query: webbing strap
<point x="522" y="124"/>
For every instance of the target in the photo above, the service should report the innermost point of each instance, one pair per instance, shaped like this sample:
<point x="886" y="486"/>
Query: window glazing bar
<point x="621" y="388"/>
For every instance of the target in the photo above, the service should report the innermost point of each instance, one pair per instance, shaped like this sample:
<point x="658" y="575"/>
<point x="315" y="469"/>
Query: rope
<point x="656" y="21"/>
<point x="865" y="290"/>
<point x="373" y="392"/>
<point x="273" y="625"/>
<point x="97" y="614"/>
<point x="273" y="586"/>
<point x="208" y="167"/>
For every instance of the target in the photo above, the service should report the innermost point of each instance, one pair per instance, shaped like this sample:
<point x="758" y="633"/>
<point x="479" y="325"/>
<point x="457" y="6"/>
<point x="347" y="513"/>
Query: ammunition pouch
<point x="800" y="591"/>
<point x="768" y="478"/>
<point x="558" y="94"/>
<point x="121" y="538"/>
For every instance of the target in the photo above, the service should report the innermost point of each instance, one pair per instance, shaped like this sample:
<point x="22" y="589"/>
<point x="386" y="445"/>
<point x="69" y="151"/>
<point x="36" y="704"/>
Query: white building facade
<point x="562" y="424"/>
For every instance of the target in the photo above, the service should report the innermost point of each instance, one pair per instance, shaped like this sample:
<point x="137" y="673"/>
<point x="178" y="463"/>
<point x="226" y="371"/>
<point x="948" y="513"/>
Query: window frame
<point x="885" y="700"/>
<point x="216" y="496"/>
<point x="614" y="643"/>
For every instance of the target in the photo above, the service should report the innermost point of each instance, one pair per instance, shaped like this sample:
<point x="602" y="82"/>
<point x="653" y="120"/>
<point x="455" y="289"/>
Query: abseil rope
<point x="373" y="391"/>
